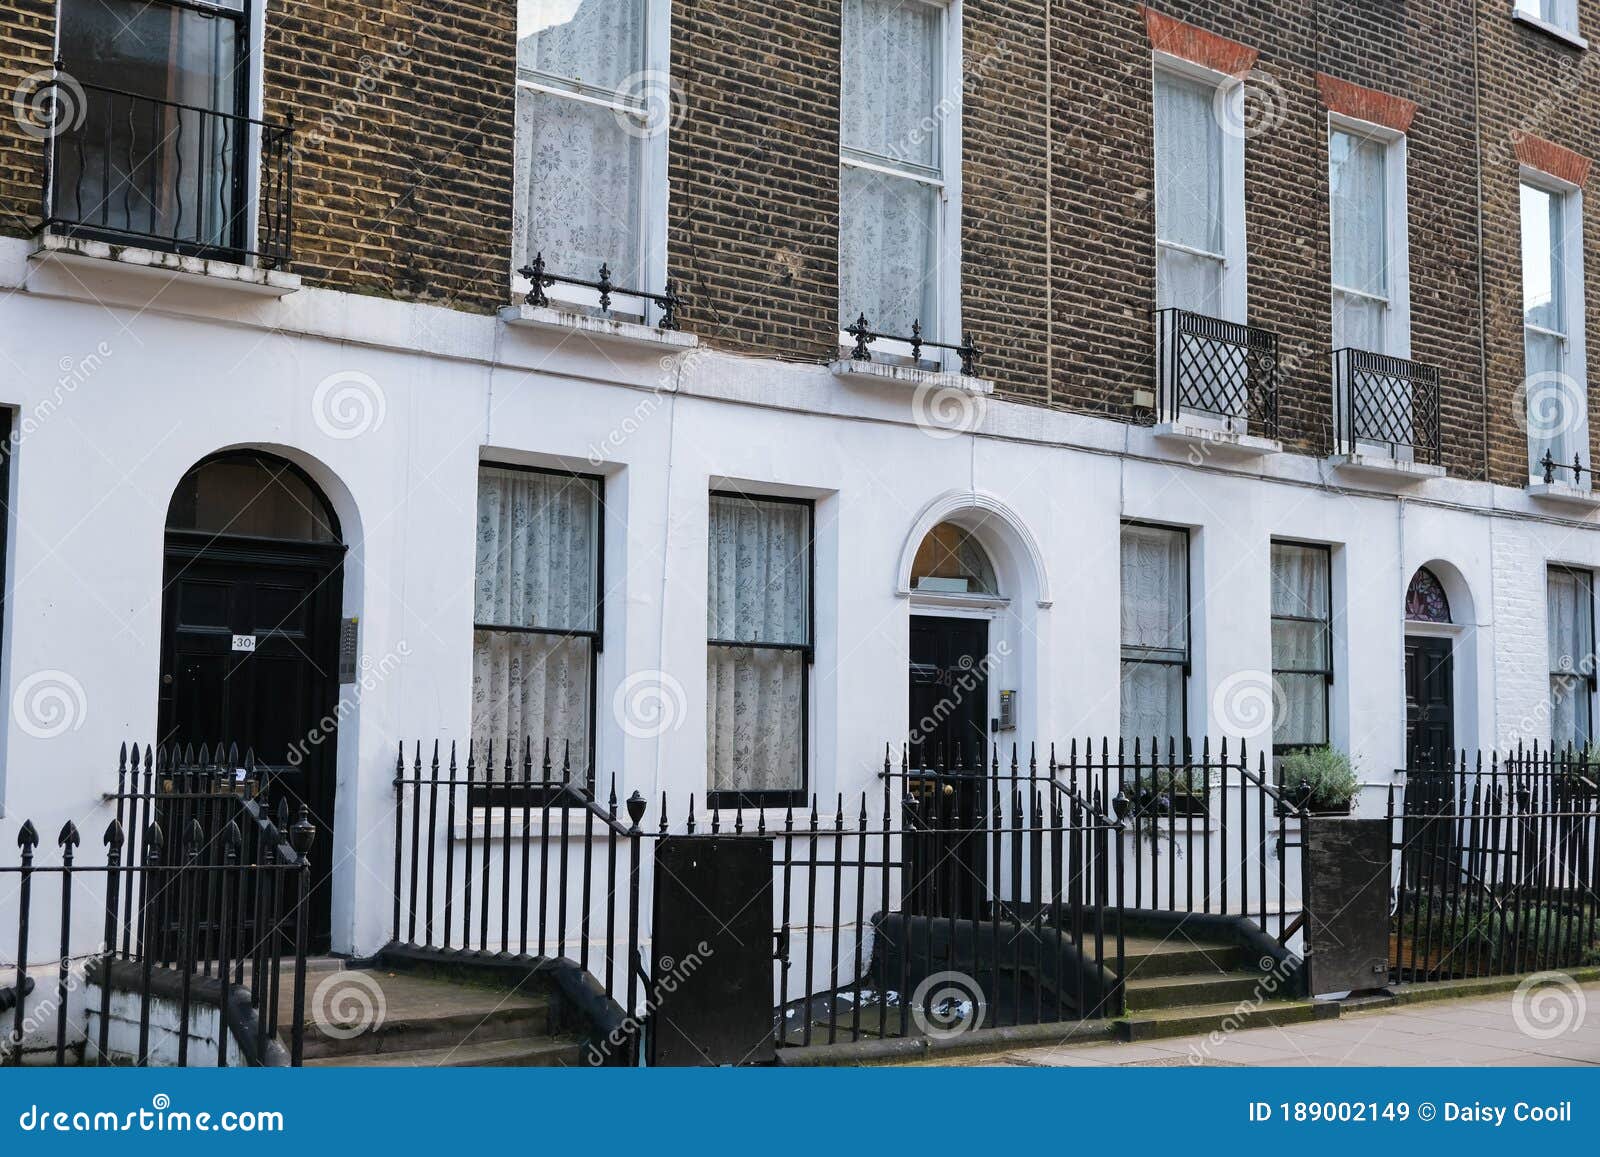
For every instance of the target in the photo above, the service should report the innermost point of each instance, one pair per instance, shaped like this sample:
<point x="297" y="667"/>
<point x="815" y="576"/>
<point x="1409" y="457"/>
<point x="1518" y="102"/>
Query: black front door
<point x="1430" y="703"/>
<point x="947" y="741"/>
<point x="249" y="658"/>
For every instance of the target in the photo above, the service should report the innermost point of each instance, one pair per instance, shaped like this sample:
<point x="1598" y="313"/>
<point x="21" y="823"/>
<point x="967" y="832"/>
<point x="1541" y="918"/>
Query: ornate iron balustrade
<point x="863" y="333"/>
<point x="1385" y="401"/>
<point x="540" y="279"/>
<point x="1550" y="466"/>
<point x="158" y="174"/>
<point x="1216" y="368"/>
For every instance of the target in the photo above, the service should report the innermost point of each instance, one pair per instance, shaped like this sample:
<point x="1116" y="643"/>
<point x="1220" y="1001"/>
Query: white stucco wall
<point x="160" y="374"/>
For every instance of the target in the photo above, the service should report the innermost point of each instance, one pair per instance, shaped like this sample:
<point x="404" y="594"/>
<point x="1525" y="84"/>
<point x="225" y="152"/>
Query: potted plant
<point x="1322" y="777"/>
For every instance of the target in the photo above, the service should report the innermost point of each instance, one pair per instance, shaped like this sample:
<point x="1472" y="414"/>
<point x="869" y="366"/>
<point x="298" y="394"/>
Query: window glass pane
<point x="1189" y="281"/>
<point x="1299" y="646"/>
<point x="537" y="553"/>
<point x="1152" y="703"/>
<point x="1299" y="581"/>
<point x="1555" y="405"/>
<point x="1571" y="622"/>
<point x="1155" y="592"/>
<point x="1570" y="710"/>
<point x="888" y="236"/>
<point x="151" y="50"/>
<point x="1358" y="190"/>
<point x="531" y="688"/>
<point x="252" y="495"/>
<point x="951" y="561"/>
<point x="891" y="77"/>
<point x="598" y="43"/>
<point x="1357" y="322"/>
<point x="755" y="719"/>
<point x="1542" y="259"/>
<point x="1304" y="720"/>
<point x="1189" y="196"/>
<point x="759" y="571"/>
<point x="577" y="187"/>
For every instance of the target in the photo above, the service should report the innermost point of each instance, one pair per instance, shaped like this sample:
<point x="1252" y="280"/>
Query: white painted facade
<point x="124" y="378"/>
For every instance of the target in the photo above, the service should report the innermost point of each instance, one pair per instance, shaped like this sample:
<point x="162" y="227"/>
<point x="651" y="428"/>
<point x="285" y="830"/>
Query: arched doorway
<point x="1430" y="673"/>
<point x="250" y="630"/>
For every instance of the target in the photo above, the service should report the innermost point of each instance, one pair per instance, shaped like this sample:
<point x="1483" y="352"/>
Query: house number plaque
<point x="244" y="643"/>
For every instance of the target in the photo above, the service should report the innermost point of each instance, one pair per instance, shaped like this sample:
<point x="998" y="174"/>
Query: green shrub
<point x="1326" y="771"/>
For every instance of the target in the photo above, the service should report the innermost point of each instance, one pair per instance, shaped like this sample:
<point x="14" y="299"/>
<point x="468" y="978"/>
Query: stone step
<point x="371" y="1013"/>
<point x="1146" y="956"/>
<point x="1157" y="1023"/>
<point x="534" y="1052"/>
<point x="1190" y="989"/>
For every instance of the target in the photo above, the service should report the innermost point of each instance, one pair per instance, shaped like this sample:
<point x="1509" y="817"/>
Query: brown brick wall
<point x="27" y="43"/>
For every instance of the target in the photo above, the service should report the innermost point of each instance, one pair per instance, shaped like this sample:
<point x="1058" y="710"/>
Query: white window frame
<point x="1397" y="233"/>
<point x="1563" y="27"/>
<point x="945" y="178"/>
<point x="1235" y="296"/>
<point x="1574" y="363"/>
<point x="651" y="228"/>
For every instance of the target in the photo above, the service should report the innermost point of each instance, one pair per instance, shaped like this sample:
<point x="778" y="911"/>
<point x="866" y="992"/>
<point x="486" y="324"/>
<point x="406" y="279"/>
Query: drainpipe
<point x="1483" y="303"/>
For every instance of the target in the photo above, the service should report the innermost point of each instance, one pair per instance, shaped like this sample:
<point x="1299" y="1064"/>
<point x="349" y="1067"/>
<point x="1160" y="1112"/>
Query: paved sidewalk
<point x="1479" y="1032"/>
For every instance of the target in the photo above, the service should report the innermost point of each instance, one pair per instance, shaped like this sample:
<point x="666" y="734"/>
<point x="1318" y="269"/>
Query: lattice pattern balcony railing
<point x="1216" y="369"/>
<point x="1386" y="403"/>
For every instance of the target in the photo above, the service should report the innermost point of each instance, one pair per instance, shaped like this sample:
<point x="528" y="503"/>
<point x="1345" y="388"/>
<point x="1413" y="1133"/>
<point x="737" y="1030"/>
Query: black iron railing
<point x="1499" y="864"/>
<point x="540" y="279"/>
<point x="863" y="333"/>
<point x="1388" y="402"/>
<point x="158" y="174"/>
<point x="1550" y="468"/>
<point x="1217" y="369"/>
<point x="202" y="894"/>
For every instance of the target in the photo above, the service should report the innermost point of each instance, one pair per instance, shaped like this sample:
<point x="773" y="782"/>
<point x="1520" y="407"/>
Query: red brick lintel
<point x="1196" y="45"/>
<point x="1366" y="104"/>
<point x="1549" y="157"/>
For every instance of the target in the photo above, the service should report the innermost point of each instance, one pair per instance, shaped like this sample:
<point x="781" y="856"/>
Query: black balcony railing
<point x="136" y="170"/>
<point x="1388" y="402"/>
<point x="1575" y="470"/>
<point x="540" y="279"/>
<point x="1218" y="369"/>
<point x="863" y="333"/>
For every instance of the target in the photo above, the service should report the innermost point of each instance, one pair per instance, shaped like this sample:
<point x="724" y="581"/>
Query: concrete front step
<point x="366" y="1015"/>
<point x="1191" y="989"/>
<point x="1226" y="1017"/>
<point x="1149" y="957"/>
<point x="538" y="1052"/>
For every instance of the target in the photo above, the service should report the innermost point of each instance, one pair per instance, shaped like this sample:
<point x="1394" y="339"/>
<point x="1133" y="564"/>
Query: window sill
<point x="553" y="319"/>
<point x="1217" y="440"/>
<point x="1572" y="39"/>
<point x="910" y="376"/>
<point x="100" y="256"/>
<point x="1381" y="466"/>
<point x="1565" y="494"/>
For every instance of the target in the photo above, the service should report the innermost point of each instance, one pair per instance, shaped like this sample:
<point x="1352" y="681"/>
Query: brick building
<point x="379" y="372"/>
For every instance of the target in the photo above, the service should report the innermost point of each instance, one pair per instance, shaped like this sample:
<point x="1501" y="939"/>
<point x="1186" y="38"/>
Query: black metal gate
<point x="1347" y="904"/>
<point x="712" y="975"/>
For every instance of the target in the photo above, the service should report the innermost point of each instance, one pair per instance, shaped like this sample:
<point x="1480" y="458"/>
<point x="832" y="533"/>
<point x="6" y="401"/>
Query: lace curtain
<point x="1155" y="633"/>
<point x="1189" y="196"/>
<point x="1300" y="643"/>
<point x="757" y="592"/>
<point x="1570" y="635"/>
<point x="1358" y="186"/>
<point x="578" y="164"/>
<point x="1555" y="403"/>
<point x="535" y="601"/>
<point x="889" y="223"/>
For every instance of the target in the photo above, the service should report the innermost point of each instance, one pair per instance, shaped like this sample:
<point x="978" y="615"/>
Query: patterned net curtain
<point x="1426" y="601"/>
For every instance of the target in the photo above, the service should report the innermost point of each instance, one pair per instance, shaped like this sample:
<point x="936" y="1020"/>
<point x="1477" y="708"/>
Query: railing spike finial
<point x="538" y="281"/>
<point x="969" y="356"/>
<point x="636" y="809"/>
<point x="605" y="287"/>
<point x="1548" y="462"/>
<point x="670" y="304"/>
<point x="862" y="332"/>
<point x="303" y="834"/>
<point x="28" y="837"/>
<point x="69" y="835"/>
<point x="113" y="837"/>
<point x="916" y="340"/>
